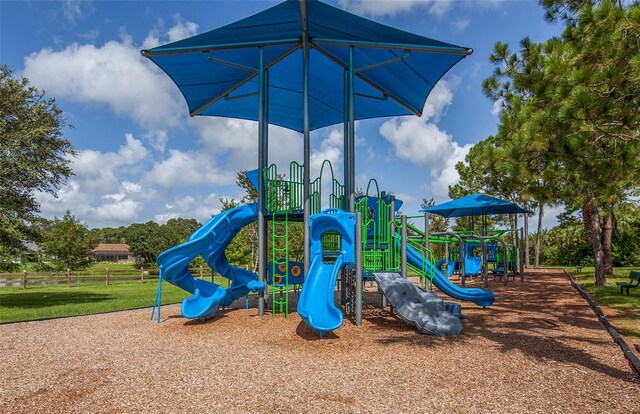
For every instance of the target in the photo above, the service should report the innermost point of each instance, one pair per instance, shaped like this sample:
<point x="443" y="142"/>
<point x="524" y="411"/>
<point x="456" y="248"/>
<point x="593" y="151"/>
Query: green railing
<point x="376" y="240"/>
<point x="287" y="194"/>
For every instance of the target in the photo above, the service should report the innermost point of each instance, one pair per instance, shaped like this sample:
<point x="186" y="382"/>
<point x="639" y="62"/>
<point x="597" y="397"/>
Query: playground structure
<point x="473" y="254"/>
<point x="336" y="67"/>
<point x="491" y="245"/>
<point x="346" y="247"/>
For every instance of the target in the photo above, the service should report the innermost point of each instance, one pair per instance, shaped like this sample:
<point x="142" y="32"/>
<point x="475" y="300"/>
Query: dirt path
<point x="539" y="349"/>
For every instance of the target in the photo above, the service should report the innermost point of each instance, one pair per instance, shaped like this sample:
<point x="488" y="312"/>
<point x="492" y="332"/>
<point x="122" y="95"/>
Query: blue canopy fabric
<point x="217" y="71"/>
<point x="475" y="205"/>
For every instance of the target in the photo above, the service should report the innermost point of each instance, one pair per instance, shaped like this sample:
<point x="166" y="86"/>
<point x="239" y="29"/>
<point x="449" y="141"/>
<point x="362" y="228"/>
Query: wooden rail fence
<point x="68" y="277"/>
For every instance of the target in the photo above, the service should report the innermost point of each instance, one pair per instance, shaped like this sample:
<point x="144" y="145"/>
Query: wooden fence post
<point x="201" y="274"/>
<point x="24" y="279"/>
<point x="68" y="277"/>
<point x="107" y="278"/>
<point x="141" y="274"/>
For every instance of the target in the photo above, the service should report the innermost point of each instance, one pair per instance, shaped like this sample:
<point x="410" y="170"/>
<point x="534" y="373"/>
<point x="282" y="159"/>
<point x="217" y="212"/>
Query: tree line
<point x="568" y="129"/>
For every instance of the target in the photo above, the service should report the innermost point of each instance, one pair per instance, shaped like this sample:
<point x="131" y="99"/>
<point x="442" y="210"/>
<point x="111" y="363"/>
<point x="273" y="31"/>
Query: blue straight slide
<point x="316" y="305"/>
<point x="210" y="241"/>
<point x="480" y="297"/>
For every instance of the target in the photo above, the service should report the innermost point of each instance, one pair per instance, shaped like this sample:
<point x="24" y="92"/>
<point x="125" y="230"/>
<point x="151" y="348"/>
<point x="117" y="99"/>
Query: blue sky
<point x="142" y="158"/>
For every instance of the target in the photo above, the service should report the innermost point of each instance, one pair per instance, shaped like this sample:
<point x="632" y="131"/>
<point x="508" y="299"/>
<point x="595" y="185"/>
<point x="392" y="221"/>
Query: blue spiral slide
<point x="210" y="241"/>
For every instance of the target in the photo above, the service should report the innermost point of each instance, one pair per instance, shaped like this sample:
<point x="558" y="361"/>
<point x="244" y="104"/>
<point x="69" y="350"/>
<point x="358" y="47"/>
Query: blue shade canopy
<point x="475" y="205"/>
<point x="217" y="71"/>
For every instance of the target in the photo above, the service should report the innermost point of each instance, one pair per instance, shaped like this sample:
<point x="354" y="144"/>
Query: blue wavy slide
<point x="480" y="297"/>
<point x="210" y="241"/>
<point x="316" y="305"/>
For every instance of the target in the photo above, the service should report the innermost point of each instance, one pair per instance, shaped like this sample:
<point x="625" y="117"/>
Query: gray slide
<point x="415" y="305"/>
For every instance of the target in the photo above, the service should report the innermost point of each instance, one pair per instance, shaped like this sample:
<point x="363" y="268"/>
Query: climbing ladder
<point x="284" y="205"/>
<point x="279" y="287"/>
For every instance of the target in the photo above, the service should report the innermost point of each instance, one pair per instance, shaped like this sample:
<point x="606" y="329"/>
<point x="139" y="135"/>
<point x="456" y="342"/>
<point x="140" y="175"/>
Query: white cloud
<point x="185" y="169"/>
<point x="113" y="74"/>
<point x="236" y="141"/>
<point x="371" y="154"/>
<point x="439" y="100"/>
<point x="157" y="138"/>
<point x="74" y="10"/>
<point x="420" y="142"/>
<point x="423" y="143"/>
<point x="122" y="211"/>
<point x="97" y="193"/>
<point x="406" y="198"/>
<point x="391" y="8"/>
<point x="394" y="7"/>
<point x="448" y="175"/>
<point x="331" y="149"/>
<point x="99" y="171"/>
<point x="131" y="187"/>
<point x="498" y="104"/>
<point x="459" y="25"/>
<point x="201" y="208"/>
<point x="182" y="29"/>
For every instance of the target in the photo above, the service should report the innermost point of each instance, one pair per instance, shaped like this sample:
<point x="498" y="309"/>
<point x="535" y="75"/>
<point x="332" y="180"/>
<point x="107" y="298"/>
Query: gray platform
<point x="415" y="305"/>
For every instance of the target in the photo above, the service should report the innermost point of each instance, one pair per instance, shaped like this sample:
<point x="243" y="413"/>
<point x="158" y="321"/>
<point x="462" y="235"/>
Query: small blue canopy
<point x="475" y="205"/>
<point x="217" y="71"/>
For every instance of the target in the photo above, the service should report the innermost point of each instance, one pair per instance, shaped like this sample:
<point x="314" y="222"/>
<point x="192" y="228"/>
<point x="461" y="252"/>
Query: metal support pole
<point x="306" y="134"/>
<point x="350" y="152"/>
<point x="263" y="127"/>
<point x="485" y="265"/>
<point x="345" y="143"/>
<point x="392" y="233"/>
<point x="463" y="271"/>
<point x="504" y="262"/>
<point x="446" y="258"/>
<point x="358" y="253"/>
<point x="522" y="244"/>
<point x="403" y="251"/>
<point x="427" y="227"/>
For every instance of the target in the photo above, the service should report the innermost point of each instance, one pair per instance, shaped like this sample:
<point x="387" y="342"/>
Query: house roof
<point x="111" y="247"/>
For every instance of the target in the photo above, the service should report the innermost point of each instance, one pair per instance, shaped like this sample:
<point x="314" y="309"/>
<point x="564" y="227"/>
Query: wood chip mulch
<point x="539" y="349"/>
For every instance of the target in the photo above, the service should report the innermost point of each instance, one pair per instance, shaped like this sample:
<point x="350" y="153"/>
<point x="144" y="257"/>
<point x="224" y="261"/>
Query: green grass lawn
<point x="114" y="266"/>
<point x="52" y="301"/>
<point x="609" y="296"/>
<point x="58" y="300"/>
